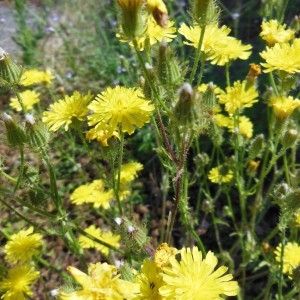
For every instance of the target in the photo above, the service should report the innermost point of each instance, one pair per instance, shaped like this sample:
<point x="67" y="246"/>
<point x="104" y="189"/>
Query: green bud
<point x="209" y="97"/>
<point x="10" y="72"/>
<point x="38" y="134"/>
<point x="205" y="12"/>
<point x="185" y="111"/>
<point x="168" y="70"/>
<point x="15" y="134"/>
<point x="256" y="146"/>
<point x="296" y="277"/>
<point x="289" y="138"/>
<point x="133" y="236"/>
<point x="126" y="272"/>
<point x="132" y="17"/>
<point x="146" y="86"/>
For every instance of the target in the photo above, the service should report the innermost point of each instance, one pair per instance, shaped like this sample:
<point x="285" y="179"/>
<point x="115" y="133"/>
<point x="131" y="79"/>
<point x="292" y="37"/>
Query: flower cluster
<point x="31" y="79"/>
<point x="20" y="250"/>
<point x="217" y="46"/>
<point x="164" y="277"/>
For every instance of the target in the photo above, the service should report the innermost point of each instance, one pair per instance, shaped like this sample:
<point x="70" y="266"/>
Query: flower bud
<point x="15" y="134"/>
<point x="289" y="138"/>
<point x="126" y="272"/>
<point x="148" y="86"/>
<point x="132" y="21"/>
<point x="205" y="12"/>
<point x="38" y="134"/>
<point x="209" y="97"/>
<point x="184" y="111"/>
<point x="296" y="277"/>
<point x="10" y="72"/>
<point x="168" y="70"/>
<point x="133" y="236"/>
<point x="256" y="146"/>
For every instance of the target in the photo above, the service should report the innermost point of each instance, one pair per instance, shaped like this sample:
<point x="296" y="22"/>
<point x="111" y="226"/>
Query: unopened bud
<point x="184" y="111"/>
<point x="10" y="72"/>
<point x="168" y="70"/>
<point x="37" y="133"/>
<point x="209" y="97"/>
<point x="289" y="138"/>
<point x="205" y="12"/>
<point x="256" y="146"/>
<point x="132" y="21"/>
<point x="16" y="135"/>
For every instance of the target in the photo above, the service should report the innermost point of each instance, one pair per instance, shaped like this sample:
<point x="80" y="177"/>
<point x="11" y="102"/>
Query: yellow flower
<point x="220" y="174"/>
<point x="101" y="282"/>
<point x="155" y="33"/>
<point x="195" y="277"/>
<point x="284" y="106"/>
<point x="120" y="107"/>
<point x="31" y="77"/>
<point x="291" y="256"/>
<point x="244" y="126"/>
<point x="273" y="33"/>
<point x="105" y="236"/>
<point x="217" y="45"/>
<point x="22" y="246"/>
<point x="129" y="171"/>
<point x="29" y="98"/>
<point x="16" y="286"/>
<point x="65" y="111"/>
<point x="162" y="255"/>
<point x="149" y="281"/>
<point x="238" y="97"/>
<point x="101" y="136"/>
<point x="284" y="57"/>
<point x="92" y="193"/>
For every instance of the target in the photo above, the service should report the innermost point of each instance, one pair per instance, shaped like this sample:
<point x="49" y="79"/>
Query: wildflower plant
<point x="206" y="212"/>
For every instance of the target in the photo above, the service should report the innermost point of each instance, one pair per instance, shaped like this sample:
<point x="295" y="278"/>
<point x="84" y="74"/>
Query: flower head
<point x="17" y="283"/>
<point x="194" y="275"/>
<point x="273" y="33"/>
<point x="155" y="33"/>
<point x="238" y="97"/>
<point x="244" y="126"/>
<point x="100" y="135"/>
<point x="284" y="57"/>
<point x="129" y="171"/>
<point x="217" y="45"/>
<point x="149" y="281"/>
<point x="101" y="282"/>
<point x="284" y="106"/>
<point x="105" y="236"/>
<point x="162" y="255"/>
<point x="67" y="110"/>
<point x="92" y="193"/>
<point x="220" y="174"/>
<point x="22" y="246"/>
<point x="291" y="257"/>
<point x="32" y="77"/>
<point x="29" y="98"/>
<point x="120" y="107"/>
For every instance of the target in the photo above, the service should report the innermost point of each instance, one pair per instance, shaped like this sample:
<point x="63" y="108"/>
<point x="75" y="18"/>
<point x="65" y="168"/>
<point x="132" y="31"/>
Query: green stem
<point x="21" y="169"/>
<point x="117" y="190"/>
<point x="227" y="74"/>
<point x="198" y="54"/>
